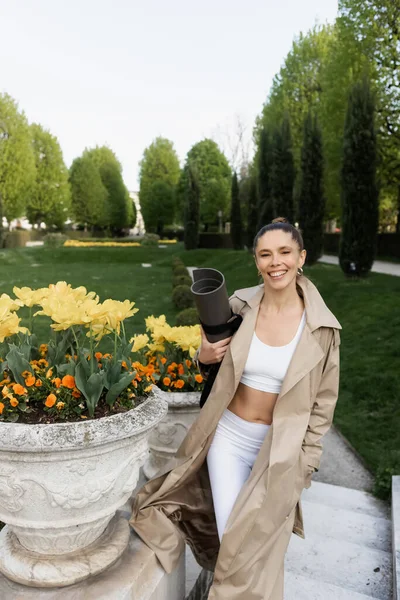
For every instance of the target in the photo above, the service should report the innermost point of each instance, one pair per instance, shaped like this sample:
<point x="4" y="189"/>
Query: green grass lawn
<point x="368" y="411"/>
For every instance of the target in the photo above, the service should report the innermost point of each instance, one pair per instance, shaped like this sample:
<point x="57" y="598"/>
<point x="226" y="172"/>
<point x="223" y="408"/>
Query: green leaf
<point x="112" y="374"/>
<point x="17" y="364"/>
<point x="117" y="388"/>
<point x="66" y="369"/>
<point x="91" y="387"/>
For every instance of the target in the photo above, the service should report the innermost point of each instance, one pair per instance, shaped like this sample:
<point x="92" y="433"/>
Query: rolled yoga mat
<point x="215" y="313"/>
<point x="212" y="303"/>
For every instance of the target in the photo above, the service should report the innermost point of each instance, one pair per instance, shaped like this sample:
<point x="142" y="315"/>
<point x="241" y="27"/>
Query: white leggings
<point x="230" y="459"/>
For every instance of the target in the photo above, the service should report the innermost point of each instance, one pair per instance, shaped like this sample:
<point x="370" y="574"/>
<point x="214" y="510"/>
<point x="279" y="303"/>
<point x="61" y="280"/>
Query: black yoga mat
<point x="211" y="298"/>
<point x="215" y="314"/>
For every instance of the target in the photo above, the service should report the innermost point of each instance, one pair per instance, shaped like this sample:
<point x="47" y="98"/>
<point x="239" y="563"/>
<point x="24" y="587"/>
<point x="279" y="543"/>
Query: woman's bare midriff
<point x="253" y="405"/>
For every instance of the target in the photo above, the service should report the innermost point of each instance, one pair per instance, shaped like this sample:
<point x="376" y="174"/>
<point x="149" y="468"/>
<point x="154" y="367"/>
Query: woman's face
<point x="278" y="257"/>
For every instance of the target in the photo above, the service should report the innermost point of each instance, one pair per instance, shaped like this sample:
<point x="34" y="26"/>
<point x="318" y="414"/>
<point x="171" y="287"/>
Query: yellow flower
<point x="60" y="405"/>
<point x="139" y="342"/>
<point x="30" y="297"/>
<point x="9" y="325"/>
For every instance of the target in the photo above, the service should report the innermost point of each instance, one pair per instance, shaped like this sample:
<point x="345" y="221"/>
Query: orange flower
<point x="181" y="369"/>
<point x="172" y="367"/>
<point x="76" y="393"/>
<point x="29" y="381"/>
<point x="98" y="355"/>
<point x="1" y="408"/>
<point x="38" y="383"/>
<point x="26" y="374"/>
<point x="166" y="381"/>
<point x="163" y="360"/>
<point x="19" y="389"/>
<point x="56" y="381"/>
<point x="138" y="378"/>
<point x="60" y="405"/>
<point x="124" y="365"/>
<point x="179" y="384"/>
<point x="49" y="373"/>
<point x="134" y="383"/>
<point x="43" y="362"/>
<point x="68" y="381"/>
<point x="188" y="363"/>
<point x="50" y="400"/>
<point x="198" y="378"/>
<point x="13" y="401"/>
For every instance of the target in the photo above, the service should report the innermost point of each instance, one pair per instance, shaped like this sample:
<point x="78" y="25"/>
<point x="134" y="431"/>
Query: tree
<point x="360" y="206"/>
<point x="298" y="87"/>
<point x="17" y="163"/>
<point x="236" y="219"/>
<point x="373" y="26"/>
<point x="88" y="194"/>
<point x="252" y="212"/>
<point x="162" y="208"/>
<point x="159" y="163"/>
<point x="264" y="181"/>
<point x="311" y="207"/>
<point x="192" y="207"/>
<point x="50" y="198"/>
<point x="118" y="199"/>
<point x="283" y="171"/>
<point x="214" y="179"/>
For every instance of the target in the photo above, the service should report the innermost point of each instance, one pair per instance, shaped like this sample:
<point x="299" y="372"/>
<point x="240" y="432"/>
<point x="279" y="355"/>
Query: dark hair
<point x="284" y="225"/>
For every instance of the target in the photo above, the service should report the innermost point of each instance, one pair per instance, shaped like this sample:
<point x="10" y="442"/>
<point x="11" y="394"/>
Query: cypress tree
<point x="264" y="163"/>
<point x="359" y="193"/>
<point x="236" y="218"/>
<point x="192" y="208"/>
<point x="252" y="213"/>
<point x="283" y="171"/>
<point x="311" y="206"/>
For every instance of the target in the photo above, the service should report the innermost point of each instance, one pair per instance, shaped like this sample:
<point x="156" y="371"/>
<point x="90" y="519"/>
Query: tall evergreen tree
<point x="283" y="171"/>
<point x="311" y="205"/>
<point x="88" y="194"/>
<point x="192" y="208"/>
<point x="360" y="204"/>
<point x="252" y="213"/>
<point x="265" y="203"/>
<point x="236" y="217"/>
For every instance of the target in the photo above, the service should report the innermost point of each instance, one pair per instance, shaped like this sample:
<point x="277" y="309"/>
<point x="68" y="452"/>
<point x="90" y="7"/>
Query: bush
<point x="150" y="239"/>
<point x="16" y="239"/>
<point x="177" y="262"/>
<point x="180" y="270"/>
<point x="55" y="240"/>
<point x="189" y="316"/>
<point x="181" y="280"/>
<point x="389" y="467"/>
<point x="182" y="297"/>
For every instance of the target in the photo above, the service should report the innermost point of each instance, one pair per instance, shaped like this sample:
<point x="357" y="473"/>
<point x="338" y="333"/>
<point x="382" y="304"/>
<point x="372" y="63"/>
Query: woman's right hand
<point x="212" y="352"/>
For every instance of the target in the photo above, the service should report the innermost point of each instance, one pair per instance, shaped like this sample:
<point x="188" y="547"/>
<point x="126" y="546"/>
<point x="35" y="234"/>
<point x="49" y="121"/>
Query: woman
<point x="232" y="492"/>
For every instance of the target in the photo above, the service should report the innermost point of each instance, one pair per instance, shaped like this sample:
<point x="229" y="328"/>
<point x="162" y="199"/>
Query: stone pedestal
<point x="137" y="575"/>
<point x="167" y="436"/>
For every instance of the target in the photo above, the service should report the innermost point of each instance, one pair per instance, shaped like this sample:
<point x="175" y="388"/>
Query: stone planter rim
<point x="182" y="399"/>
<point x="58" y="437"/>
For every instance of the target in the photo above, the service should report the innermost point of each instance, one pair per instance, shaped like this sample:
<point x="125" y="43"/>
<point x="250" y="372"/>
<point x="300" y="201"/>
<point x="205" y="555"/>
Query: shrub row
<point x="182" y="296"/>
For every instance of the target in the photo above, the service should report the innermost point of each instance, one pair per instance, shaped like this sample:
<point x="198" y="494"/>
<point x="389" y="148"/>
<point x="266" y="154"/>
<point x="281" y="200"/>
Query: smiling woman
<point x="233" y="489"/>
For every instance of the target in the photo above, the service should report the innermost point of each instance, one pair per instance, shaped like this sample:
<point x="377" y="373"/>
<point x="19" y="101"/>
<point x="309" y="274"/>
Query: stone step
<point x="341" y="563"/>
<point x="347" y="498"/>
<point x="298" y="587"/>
<point x="347" y="525"/>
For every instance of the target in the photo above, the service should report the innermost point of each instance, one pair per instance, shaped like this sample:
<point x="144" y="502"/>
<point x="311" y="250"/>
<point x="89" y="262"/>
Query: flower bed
<point x="89" y="244"/>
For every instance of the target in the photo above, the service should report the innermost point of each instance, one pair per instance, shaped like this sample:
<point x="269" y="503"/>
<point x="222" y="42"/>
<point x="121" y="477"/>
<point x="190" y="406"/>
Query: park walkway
<point x="379" y="266"/>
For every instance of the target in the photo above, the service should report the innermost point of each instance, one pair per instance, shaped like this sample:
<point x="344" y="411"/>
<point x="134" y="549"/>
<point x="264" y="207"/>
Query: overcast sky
<point x="123" y="72"/>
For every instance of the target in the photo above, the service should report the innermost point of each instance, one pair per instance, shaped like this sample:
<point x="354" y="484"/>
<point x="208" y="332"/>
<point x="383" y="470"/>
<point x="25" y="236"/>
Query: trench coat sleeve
<point x="324" y="406"/>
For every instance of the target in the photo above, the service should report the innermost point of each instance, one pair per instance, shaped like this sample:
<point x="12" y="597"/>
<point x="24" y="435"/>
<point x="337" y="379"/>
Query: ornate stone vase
<point x="60" y="487"/>
<point x="167" y="436"/>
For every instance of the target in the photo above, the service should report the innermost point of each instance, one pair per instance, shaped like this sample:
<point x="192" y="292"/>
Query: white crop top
<point x="266" y="366"/>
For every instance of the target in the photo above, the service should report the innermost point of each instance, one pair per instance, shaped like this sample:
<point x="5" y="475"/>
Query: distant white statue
<point x="139" y="228"/>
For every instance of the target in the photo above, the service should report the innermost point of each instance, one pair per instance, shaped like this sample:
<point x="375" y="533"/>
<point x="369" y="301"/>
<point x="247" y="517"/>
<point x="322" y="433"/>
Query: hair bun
<point x="280" y="220"/>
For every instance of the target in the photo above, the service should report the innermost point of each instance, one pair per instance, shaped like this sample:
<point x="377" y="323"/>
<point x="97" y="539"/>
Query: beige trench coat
<point x="176" y="505"/>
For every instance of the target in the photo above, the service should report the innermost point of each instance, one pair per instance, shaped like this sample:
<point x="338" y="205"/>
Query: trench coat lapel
<point x="240" y="344"/>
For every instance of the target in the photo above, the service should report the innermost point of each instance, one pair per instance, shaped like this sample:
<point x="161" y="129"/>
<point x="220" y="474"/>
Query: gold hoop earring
<point x="300" y="271"/>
